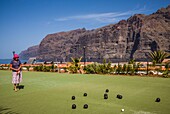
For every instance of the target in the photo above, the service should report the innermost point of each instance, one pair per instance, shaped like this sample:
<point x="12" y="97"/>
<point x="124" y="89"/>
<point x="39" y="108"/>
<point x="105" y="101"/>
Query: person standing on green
<point x="15" y="66"/>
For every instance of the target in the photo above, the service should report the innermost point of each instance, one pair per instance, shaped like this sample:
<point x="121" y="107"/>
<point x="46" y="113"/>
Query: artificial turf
<point x="51" y="93"/>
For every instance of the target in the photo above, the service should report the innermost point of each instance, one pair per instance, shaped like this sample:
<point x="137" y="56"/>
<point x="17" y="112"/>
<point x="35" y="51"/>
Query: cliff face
<point x="131" y="38"/>
<point x="56" y="46"/>
<point x="30" y="52"/>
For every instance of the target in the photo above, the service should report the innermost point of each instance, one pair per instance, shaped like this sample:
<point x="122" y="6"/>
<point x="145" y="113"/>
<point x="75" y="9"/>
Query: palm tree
<point x="76" y="61"/>
<point x="132" y="61"/>
<point x="75" y="65"/>
<point x="158" y="56"/>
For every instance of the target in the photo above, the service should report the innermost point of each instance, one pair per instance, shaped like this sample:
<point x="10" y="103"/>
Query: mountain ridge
<point x="128" y="39"/>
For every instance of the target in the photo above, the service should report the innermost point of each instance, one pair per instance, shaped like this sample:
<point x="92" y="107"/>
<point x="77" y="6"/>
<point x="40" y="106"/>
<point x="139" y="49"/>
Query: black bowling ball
<point x="119" y="96"/>
<point x="85" y="94"/>
<point x="105" y="96"/>
<point x="85" y="106"/>
<point x="73" y="97"/>
<point x="107" y="90"/>
<point x="157" y="100"/>
<point x="73" y="106"/>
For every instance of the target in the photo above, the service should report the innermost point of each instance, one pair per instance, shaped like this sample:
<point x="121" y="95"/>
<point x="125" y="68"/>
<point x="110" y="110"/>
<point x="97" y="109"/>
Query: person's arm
<point x="19" y="67"/>
<point x="12" y="68"/>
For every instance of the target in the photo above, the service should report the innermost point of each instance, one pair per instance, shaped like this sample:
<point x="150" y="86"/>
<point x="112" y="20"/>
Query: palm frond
<point x="158" y="56"/>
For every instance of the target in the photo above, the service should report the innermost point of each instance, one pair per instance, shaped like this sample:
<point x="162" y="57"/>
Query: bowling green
<point x="51" y="93"/>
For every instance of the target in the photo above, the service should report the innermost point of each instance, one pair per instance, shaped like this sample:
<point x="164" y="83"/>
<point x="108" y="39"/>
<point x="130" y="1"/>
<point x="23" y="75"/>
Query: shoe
<point x="15" y="90"/>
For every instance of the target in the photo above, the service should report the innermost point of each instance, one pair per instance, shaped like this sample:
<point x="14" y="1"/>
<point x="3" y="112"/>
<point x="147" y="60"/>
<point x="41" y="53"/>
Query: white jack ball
<point x="123" y="110"/>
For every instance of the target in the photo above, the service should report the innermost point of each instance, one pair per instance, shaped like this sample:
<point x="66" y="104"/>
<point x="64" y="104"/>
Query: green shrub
<point x="38" y="68"/>
<point x="46" y="68"/>
<point x="73" y="69"/>
<point x="105" y="68"/>
<point x="92" y="68"/>
<point x="119" y="69"/>
<point x="114" y="68"/>
<point x="166" y="72"/>
<point x="96" y="68"/>
<point x="124" y="68"/>
<point x="52" y="67"/>
<point x="167" y="65"/>
<point x="129" y="69"/>
<point x="28" y="67"/>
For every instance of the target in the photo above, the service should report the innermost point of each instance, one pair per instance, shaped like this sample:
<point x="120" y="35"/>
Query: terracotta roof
<point x="166" y="60"/>
<point x="62" y="65"/>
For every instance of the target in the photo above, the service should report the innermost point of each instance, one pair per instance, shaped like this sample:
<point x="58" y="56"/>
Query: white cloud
<point x="104" y="17"/>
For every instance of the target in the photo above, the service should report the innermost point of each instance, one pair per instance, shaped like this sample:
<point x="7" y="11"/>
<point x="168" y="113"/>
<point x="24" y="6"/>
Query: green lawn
<point x="50" y="93"/>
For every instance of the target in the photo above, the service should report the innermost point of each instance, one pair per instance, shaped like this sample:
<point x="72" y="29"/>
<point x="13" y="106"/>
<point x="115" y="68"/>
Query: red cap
<point x="16" y="56"/>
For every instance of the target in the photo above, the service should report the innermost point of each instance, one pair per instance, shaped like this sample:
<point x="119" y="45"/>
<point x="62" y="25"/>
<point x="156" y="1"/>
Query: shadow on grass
<point x="6" y="111"/>
<point x="20" y="87"/>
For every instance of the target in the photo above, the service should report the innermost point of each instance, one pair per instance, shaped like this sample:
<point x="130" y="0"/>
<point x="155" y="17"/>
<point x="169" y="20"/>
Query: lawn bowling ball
<point x="158" y="100"/>
<point x="85" y="106"/>
<point x="123" y="110"/>
<point x="73" y="106"/>
<point x="105" y="96"/>
<point x="73" y="97"/>
<point x="120" y="96"/>
<point x="85" y="94"/>
<point x="107" y="90"/>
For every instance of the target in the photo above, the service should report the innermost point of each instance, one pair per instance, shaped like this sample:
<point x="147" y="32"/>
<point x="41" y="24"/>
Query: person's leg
<point x="20" y="78"/>
<point x="15" y="87"/>
<point x="14" y="80"/>
<point x="18" y="86"/>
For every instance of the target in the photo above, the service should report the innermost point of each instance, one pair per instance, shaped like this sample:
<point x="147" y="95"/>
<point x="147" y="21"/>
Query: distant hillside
<point x="130" y="38"/>
<point x="30" y="52"/>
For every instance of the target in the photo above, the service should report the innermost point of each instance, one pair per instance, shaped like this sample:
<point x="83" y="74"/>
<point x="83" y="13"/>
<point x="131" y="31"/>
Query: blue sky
<point x="25" y="23"/>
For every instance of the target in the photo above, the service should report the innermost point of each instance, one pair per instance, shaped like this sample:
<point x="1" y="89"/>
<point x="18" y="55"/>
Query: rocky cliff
<point x="128" y="39"/>
<point x="30" y="52"/>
